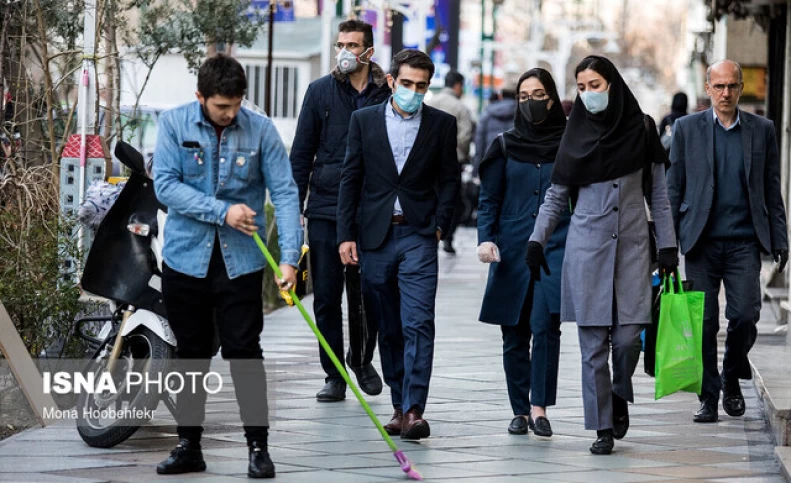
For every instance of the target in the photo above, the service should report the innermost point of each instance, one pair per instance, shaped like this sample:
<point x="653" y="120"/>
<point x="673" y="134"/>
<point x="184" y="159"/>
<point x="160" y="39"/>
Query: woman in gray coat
<point x="609" y="164"/>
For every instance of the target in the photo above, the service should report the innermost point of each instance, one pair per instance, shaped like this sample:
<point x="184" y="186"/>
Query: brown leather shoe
<point x="414" y="426"/>
<point x="393" y="428"/>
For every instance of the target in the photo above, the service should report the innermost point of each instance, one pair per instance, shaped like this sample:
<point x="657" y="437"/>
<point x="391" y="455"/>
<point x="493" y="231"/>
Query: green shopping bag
<point x="679" y="361"/>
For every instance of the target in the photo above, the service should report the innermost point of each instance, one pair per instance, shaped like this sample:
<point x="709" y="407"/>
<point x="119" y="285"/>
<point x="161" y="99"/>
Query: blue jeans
<point x="737" y="264"/>
<point x="399" y="282"/>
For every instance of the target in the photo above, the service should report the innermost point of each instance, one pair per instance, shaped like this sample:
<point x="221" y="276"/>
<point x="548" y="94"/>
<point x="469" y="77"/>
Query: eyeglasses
<point x="348" y="46"/>
<point x="538" y="96"/>
<point x="721" y="87"/>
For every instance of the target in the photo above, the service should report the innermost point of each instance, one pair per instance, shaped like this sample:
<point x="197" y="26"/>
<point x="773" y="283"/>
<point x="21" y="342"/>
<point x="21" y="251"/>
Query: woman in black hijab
<point x="609" y="164"/>
<point x="515" y="173"/>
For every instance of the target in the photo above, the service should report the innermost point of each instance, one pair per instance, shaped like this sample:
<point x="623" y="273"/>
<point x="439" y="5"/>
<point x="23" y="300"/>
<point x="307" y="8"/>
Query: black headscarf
<point x="533" y="143"/>
<point x="610" y="144"/>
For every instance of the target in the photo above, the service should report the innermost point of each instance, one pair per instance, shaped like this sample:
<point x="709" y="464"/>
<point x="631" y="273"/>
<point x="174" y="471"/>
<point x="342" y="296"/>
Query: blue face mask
<point x="407" y="99"/>
<point x="595" y="102"/>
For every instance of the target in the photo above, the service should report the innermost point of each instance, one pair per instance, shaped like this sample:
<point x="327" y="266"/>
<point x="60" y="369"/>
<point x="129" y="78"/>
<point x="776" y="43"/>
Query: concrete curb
<point x="779" y="421"/>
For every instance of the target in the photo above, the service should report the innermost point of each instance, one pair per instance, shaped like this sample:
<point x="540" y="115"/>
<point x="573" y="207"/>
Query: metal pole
<point x="268" y="85"/>
<point x="785" y="151"/>
<point x="326" y="34"/>
<point x="483" y="39"/>
<point x="422" y="13"/>
<point x="494" y="50"/>
<point x="84" y="102"/>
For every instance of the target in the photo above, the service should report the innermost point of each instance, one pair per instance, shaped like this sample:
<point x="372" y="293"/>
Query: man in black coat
<point x="401" y="171"/>
<point x="316" y="159"/>
<point x="725" y="195"/>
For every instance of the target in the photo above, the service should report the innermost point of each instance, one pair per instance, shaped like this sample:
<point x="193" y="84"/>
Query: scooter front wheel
<point x="143" y="352"/>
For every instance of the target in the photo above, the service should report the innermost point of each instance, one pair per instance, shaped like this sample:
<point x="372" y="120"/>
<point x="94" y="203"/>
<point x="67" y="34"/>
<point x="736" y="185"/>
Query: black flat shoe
<point x="186" y="457"/>
<point x="518" y="425"/>
<point x="261" y="465"/>
<point x="707" y="413"/>
<point x="732" y="398"/>
<point x="540" y="427"/>
<point x="620" y="416"/>
<point x="333" y="391"/>
<point x="604" y="443"/>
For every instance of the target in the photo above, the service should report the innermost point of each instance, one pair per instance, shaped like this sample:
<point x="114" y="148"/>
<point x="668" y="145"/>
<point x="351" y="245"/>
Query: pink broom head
<point x="406" y="467"/>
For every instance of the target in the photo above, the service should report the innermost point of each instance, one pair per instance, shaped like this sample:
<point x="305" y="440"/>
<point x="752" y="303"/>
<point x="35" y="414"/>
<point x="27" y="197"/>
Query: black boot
<point x="186" y="457"/>
<point x="620" y="416"/>
<point x="604" y="442"/>
<point x="261" y="465"/>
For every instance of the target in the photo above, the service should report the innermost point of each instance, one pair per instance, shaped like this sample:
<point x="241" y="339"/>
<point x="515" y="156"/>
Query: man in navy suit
<point x="399" y="185"/>
<point x="725" y="194"/>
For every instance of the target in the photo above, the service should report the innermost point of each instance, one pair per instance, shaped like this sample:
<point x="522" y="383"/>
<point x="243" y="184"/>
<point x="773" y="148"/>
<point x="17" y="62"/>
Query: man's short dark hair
<point x="413" y="58"/>
<point x="452" y="78"/>
<point x="355" y="25"/>
<point x="222" y="75"/>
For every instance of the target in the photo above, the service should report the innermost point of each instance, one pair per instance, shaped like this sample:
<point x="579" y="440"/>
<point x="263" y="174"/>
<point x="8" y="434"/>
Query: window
<point x="284" y="89"/>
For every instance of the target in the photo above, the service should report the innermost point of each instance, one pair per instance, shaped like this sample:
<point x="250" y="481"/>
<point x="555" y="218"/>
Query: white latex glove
<point x="488" y="252"/>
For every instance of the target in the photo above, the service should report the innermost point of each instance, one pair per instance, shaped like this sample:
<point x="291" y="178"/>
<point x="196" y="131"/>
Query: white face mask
<point x="348" y="62"/>
<point x="595" y="102"/>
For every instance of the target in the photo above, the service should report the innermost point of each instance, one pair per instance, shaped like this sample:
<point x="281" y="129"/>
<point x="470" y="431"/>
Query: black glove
<point x="535" y="260"/>
<point x="668" y="261"/>
<point x="781" y="257"/>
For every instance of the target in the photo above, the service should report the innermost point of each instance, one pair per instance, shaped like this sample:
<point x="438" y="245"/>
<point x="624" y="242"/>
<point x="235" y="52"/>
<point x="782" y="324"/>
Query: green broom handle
<point x="326" y="345"/>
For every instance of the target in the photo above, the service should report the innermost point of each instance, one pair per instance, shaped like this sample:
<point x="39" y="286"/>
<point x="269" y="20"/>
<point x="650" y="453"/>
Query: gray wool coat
<point x="607" y="262"/>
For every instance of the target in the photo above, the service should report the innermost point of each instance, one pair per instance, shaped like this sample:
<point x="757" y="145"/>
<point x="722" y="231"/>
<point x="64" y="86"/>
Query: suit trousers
<point x="191" y="305"/>
<point x="533" y="380"/>
<point x="737" y="265"/>
<point x="399" y="290"/>
<point x="597" y="387"/>
<point x="328" y="282"/>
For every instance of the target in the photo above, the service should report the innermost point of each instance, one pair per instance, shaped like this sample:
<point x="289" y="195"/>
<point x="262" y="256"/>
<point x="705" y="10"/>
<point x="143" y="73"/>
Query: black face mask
<point x="535" y="111"/>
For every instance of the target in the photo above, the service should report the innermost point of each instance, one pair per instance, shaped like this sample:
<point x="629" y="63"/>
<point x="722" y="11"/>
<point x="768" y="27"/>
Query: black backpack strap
<point x="503" y="149"/>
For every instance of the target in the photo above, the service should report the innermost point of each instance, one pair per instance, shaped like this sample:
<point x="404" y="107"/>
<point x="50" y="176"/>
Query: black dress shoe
<point x="333" y="391"/>
<point x="620" y="416"/>
<point x="186" y="457"/>
<point x="367" y="378"/>
<point x="707" y="413"/>
<point x="540" y="427"/>
<point x="732" y="398"/>
<point x="261" y="465"/>
<point x="447" y="246"/>
<point x="518" y="425"/>
<point x="604" y="442"/>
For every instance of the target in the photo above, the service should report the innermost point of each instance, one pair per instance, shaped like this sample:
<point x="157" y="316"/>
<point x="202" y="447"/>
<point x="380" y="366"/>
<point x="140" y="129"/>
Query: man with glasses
<point x="724" y="190"/>
<point x="316" y="159"/>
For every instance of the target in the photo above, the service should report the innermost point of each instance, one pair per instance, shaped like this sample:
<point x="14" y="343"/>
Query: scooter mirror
<point x="131" y="157"/>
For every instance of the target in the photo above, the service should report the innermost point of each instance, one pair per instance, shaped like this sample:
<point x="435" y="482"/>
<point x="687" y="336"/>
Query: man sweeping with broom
<point x="214" y="163"/>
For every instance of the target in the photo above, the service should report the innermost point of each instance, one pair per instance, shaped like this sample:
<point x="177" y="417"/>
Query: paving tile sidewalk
<point x="468" y="411"/>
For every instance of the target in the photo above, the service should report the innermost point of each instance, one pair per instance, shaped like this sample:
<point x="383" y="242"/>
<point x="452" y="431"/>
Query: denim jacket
<point x="251" y="159"/>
